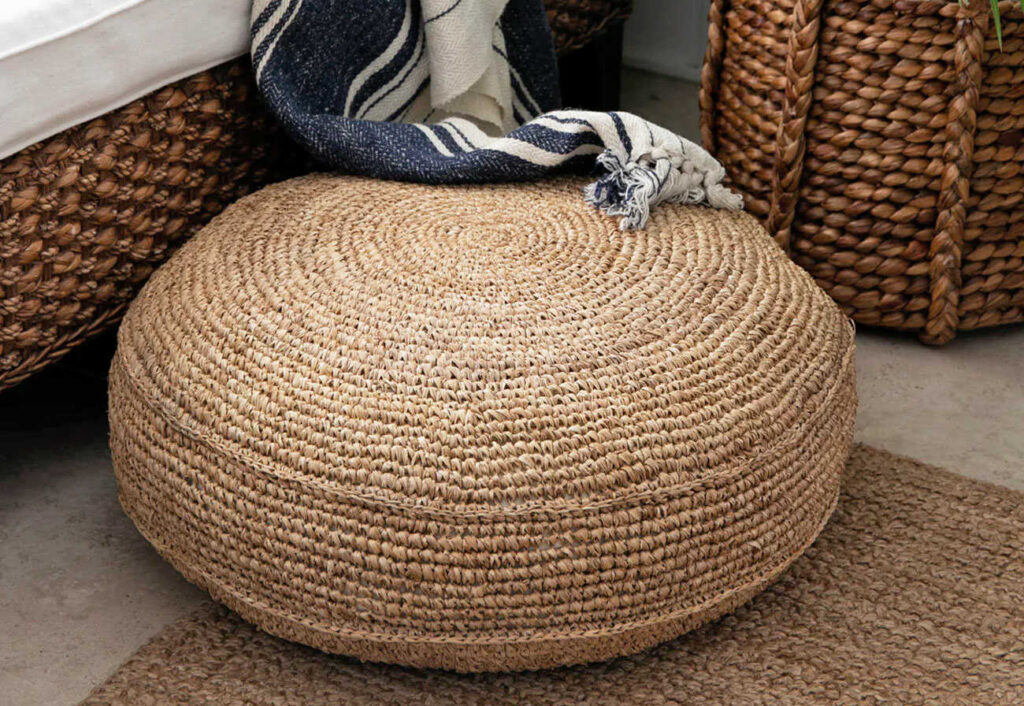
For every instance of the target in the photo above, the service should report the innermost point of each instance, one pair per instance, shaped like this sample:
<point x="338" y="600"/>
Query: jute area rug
<point x="914" y="593"/>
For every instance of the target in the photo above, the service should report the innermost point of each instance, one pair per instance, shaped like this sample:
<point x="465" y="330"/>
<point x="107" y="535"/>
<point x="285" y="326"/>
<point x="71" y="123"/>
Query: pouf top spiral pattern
<point x="479" y="427"/>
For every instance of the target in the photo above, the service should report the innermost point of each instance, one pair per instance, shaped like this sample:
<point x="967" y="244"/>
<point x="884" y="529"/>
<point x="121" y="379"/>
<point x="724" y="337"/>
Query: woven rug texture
<point x="912" y="594"/>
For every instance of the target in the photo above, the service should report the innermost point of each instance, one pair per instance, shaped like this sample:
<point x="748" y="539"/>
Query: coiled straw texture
<point x="479" y="428"/>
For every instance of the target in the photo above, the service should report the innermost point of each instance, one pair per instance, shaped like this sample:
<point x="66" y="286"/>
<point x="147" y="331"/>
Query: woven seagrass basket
<point x="86" y="215"/>
<point x="882" y="144"/>
<point x="576" y="23"/>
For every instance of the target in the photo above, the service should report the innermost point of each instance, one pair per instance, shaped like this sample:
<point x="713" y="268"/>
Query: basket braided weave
<point x="478" y="428"/>
<point x="882" y="144"/>
<point x="86" y="215"/>
<point x="576" y="23"/>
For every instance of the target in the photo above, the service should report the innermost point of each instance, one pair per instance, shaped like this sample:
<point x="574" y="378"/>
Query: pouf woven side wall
<point x="479" y="428"/>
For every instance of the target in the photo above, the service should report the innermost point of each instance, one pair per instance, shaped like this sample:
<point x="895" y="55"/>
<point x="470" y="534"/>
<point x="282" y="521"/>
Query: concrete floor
<point x="80" y="590"/>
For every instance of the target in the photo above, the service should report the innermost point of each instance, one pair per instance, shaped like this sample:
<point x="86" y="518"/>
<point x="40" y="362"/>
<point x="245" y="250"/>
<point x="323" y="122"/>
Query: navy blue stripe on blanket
<point x="623" y="135"/>
<point x="410" y="67"/>
<point x="361" y="147"/>
<point x="446" y="138"/>
<point x="324" y="65"/>
<point x="524" y="97"/>
<point x="399" y="113"/>
<point x="461" y="134"/>
<point x="443" y="12"/>
<point x="411" y="50"/>
<point x="553" y="140"/>
<point x="259" y="52"/>
<point x="261" y="19"/>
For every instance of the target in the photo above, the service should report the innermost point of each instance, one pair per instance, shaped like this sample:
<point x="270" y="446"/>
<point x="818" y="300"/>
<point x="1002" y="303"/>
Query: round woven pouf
<point x="479" y="428"/>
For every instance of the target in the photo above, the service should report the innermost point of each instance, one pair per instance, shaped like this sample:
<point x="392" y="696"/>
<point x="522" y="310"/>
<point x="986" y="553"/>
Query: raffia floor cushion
<point x="479" y="428"/>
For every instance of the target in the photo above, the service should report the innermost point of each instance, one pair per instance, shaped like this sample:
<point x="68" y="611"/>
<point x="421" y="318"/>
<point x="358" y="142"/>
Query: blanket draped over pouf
<point x="459" y="91"/>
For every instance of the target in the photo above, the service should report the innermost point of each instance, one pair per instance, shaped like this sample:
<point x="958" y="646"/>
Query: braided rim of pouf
<point x="479" y="428"/>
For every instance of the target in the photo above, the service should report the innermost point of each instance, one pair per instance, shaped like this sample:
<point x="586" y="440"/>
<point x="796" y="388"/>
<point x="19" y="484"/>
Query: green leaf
<point x="999" y="24"/>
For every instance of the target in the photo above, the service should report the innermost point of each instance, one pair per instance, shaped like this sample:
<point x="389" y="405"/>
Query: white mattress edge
<point x="114" y="52"/>
<point x="60" y="34"/>
<point x="10" y="148"/>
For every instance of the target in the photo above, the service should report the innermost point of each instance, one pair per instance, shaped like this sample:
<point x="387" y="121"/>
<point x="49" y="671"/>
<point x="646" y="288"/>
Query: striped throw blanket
<point x="458" y="91"/>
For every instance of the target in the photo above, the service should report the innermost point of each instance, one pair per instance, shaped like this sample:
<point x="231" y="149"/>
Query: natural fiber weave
<point x="911" y="595"/>
<point x="86" y="215"/>
<point x="576" y="23"/>
<point x="882" y="144"/>
<point x="479" y="427"/>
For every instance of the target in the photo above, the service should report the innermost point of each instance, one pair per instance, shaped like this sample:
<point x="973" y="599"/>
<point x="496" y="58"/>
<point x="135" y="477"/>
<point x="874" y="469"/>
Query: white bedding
<point x="63" y="62"/>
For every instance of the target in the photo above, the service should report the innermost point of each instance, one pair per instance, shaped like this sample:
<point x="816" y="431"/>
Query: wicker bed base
<point x="87" y="214"/>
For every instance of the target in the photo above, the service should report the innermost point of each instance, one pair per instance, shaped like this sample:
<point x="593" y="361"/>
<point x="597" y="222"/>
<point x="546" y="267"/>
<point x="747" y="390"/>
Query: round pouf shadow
<point x="479" y="428"/>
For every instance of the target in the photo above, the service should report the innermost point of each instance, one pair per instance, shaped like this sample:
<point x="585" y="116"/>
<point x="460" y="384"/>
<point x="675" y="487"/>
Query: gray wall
<point x="667" y="37"/>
